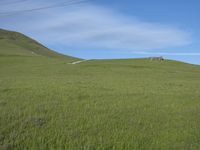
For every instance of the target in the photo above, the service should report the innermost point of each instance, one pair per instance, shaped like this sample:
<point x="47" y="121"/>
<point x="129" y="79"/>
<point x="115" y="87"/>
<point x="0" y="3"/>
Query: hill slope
<point x="132" y="104"/>
<point x="14" y="43"/>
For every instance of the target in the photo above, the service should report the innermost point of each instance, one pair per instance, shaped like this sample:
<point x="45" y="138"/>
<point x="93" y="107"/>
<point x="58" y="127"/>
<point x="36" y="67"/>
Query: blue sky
<point x="110" y="28"/>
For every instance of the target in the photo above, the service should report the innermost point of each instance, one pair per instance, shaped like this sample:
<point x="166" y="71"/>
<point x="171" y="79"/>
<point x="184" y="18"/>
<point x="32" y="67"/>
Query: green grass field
<point x="132" y="104"/>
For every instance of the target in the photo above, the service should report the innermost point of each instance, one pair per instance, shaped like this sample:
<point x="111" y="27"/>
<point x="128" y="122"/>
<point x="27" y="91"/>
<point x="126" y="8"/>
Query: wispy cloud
<point x="166" y="54"/>
<point x="90" y="26"/>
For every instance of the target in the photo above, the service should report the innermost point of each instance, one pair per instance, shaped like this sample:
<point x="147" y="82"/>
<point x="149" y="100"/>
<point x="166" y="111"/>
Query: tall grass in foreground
<point x="101" y="105"/>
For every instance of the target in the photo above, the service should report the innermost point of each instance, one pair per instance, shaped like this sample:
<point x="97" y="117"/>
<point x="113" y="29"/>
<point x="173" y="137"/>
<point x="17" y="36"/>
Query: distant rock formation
<point x="157" y="58"/>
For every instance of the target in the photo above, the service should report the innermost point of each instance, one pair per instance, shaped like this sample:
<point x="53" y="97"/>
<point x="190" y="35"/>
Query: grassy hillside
<point x="133" y="104"/>
<point x="14" y="43"/>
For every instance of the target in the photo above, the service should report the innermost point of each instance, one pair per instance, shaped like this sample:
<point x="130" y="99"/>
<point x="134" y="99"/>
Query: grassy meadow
<point x="112" y="104"/>
<point x="132" y="104"/>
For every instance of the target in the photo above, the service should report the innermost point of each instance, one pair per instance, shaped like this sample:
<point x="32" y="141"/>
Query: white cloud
<point x="90" y="26"/>
<point x="166" y="54"/>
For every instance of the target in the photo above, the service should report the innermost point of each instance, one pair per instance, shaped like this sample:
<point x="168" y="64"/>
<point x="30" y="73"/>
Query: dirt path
<point x="77" y="62"/>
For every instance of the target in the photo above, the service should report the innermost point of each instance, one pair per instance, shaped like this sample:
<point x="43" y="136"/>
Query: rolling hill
<point x="14" y="43"/>
<point x="125" y="104"/>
